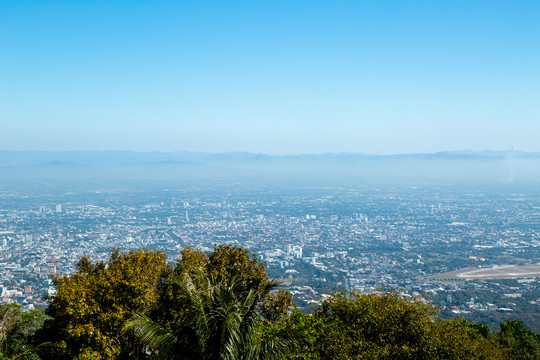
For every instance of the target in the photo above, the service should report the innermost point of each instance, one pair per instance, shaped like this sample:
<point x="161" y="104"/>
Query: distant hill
<point x="505" y="166"/>
<point x="26" y="158"/>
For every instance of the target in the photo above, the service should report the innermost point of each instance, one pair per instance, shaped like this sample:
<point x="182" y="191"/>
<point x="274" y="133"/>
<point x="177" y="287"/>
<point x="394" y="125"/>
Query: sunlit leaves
<point x="91" y="305"/>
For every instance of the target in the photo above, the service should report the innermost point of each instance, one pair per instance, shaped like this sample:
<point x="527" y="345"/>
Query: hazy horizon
<point x="454" y="151"/>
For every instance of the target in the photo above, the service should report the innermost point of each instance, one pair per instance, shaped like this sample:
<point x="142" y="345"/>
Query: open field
<point x="497" y="272"/>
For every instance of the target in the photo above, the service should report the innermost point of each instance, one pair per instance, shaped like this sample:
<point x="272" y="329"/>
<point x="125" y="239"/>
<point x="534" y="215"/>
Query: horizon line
<point x="273" y="154"/>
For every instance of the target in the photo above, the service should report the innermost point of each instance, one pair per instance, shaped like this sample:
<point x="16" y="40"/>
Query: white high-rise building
<point x="294" y="250"/>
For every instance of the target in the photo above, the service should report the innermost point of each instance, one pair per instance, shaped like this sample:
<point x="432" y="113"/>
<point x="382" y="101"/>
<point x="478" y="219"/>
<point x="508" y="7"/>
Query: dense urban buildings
<point x="412" y="238"/>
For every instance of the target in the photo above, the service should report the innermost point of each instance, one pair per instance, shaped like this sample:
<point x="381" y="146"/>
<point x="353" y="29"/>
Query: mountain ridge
<point x="124" y="157"/>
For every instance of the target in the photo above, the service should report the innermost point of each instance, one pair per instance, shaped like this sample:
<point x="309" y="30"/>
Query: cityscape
<point x="269" y="180"/>
<point x="423" y="240"/>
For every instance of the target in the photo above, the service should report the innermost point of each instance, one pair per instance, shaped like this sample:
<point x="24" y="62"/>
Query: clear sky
<point x="275" y="77"/>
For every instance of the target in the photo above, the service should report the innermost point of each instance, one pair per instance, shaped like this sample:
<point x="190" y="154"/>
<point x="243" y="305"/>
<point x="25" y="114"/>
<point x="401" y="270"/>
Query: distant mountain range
<point x="113" y="157"/>
<point x="501" y="166"/>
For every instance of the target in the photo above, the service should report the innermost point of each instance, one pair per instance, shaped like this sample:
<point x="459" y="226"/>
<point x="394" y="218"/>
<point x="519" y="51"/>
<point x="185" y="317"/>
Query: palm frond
<point x="224" y="321"/>
<point x="153" y="335"/>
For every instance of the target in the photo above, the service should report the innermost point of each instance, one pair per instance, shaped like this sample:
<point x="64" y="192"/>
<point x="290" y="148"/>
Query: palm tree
<point x="221" y="323"/>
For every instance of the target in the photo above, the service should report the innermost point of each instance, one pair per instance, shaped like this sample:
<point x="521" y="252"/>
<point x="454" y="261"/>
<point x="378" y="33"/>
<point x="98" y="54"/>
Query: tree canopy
<point x="222" y="305"/>
<point x="353" y="325"/>
<point x="17" y="331"/>
<point x="91" y="306"/>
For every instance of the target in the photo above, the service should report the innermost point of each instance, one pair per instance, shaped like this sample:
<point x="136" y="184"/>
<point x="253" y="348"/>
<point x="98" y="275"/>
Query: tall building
<point x="294" y="250"/>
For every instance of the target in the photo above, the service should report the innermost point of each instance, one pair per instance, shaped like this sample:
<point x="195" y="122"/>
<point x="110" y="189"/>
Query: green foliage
<point x="222" y="264"/>
<point x="90" y="307"/>
<point x="456" y="339"/>
<point x="315" y="336"/>
<point x="523" y="343"/>
<point x="215" y="306"/>
<point x="276" y="305"/>
<point x="221" y="321"/>
<point x="226" y="261"/>
<point x="17" y="331"/>
<point x="352" y="325"/>
<point x="383" y="326"/>
<point x="222" y="305"/>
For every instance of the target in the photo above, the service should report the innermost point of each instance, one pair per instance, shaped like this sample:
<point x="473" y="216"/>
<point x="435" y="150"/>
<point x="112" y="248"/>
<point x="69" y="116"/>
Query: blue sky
<point x="276" y="77"/>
